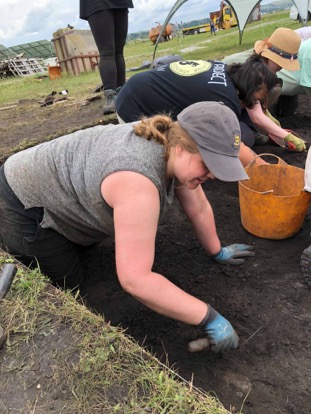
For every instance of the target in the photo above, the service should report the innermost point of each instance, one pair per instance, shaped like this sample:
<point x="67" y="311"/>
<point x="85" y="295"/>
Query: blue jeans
<point x="22" y="236"/>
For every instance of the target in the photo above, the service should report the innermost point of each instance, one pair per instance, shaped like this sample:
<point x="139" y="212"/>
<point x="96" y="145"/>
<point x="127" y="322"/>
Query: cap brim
<point x="224" y="167"/>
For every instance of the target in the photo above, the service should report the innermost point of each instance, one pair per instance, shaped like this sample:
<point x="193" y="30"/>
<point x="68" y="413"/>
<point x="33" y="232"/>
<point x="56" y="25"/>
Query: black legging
<point x="109" y="29"/>
<point x="22" y="236"/>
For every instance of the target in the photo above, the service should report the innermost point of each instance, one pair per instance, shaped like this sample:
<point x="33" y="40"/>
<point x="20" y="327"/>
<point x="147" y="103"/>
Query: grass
<point x="35" y="88"/>
<point x="87" y="365"/>
<point x="201" y="46"/>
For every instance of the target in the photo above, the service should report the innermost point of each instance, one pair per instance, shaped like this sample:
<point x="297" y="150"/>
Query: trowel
<point x="281" y="143"/>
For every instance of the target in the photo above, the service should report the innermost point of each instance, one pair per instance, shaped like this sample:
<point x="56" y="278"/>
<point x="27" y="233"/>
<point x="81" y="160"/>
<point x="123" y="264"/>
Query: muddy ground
<point x="266" y="299"/>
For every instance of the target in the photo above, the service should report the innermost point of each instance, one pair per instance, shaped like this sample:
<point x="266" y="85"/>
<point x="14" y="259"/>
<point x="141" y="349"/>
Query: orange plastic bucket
<point x="54" y="72"/>
<point x="273" y="203"/>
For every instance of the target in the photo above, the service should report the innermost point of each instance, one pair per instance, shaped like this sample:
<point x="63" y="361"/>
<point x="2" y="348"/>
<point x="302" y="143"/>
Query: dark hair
<point x="250" y="76"/>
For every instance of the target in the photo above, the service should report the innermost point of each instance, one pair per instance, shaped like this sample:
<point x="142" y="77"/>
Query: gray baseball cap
<point x="216" y="130"/>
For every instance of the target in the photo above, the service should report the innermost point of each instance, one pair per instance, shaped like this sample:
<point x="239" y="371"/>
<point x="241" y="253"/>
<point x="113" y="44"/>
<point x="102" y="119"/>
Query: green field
<point x="200" y="46"/>
<point x="210" y="47"/>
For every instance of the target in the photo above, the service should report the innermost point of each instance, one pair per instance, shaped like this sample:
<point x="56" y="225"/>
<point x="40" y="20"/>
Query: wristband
<point x="209" y="317"/>
<point x="216" y="254"/>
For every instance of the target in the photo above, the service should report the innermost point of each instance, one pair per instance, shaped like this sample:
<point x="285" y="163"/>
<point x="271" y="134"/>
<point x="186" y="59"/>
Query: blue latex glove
<point x="232" y="254"/>
<point x="220" y="333"/>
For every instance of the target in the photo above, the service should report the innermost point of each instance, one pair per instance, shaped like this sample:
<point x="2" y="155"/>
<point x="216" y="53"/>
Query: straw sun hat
<point x="281" y="47"/>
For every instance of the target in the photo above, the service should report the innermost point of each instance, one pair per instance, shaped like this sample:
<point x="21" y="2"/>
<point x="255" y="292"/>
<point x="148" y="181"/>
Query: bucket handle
<point x="280" y="161"/>
<point x="250" y="166"/>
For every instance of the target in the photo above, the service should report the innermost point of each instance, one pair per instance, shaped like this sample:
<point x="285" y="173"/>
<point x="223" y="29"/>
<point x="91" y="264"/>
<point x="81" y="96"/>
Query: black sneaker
<point x="110" y="101"/>
<point x="261" y="138"/>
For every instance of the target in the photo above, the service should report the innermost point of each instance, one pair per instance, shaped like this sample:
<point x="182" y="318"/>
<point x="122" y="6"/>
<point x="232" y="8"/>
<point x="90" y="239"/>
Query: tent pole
<point x="240" y="36"/>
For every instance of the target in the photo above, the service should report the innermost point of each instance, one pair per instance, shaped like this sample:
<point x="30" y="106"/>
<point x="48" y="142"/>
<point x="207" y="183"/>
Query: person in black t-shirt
<point x="171" y="88"/>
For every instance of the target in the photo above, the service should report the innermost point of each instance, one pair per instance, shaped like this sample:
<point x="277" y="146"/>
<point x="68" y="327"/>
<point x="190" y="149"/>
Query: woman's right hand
<point x="220" y="333"/>
<point x="298" y="143"/>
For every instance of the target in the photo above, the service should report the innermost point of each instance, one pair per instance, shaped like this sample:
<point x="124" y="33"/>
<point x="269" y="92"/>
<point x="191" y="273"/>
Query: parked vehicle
<point x="190" y="30"/>
<point x="224" y="18"/>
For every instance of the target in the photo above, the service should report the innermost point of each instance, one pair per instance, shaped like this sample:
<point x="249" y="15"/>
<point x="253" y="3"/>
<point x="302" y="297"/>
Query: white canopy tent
<point x="242" y="10"/>
<point x="303" y="8"/>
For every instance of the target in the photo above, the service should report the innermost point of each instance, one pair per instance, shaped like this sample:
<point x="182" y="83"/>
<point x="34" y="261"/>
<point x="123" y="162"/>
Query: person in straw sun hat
<point x="296" y="82"/>
<point x="280" y="49"/>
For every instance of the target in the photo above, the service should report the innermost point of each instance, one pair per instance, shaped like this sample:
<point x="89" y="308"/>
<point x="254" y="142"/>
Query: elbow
<point x="130" y="283"/>
<point x="256" y="122"/>
<point x="127" y="285"/>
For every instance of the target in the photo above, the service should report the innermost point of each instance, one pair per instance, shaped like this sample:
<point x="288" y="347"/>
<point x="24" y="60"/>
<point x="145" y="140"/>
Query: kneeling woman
<point x="118" y="180"/>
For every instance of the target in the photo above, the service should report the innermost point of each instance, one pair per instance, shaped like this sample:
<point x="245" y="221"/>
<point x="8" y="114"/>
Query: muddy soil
<point x="266" y="299"/>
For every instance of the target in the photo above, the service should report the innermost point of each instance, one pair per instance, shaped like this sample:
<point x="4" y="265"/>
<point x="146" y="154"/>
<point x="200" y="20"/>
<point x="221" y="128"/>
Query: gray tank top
<point x="64" y="177"/>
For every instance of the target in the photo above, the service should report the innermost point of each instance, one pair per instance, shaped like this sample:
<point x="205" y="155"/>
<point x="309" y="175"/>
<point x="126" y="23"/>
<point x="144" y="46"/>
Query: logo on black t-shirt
<point x="190" y="67"/>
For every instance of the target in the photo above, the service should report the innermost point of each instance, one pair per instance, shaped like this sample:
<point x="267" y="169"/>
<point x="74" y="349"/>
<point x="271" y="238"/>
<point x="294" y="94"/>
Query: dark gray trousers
<point x="22" y="236"/>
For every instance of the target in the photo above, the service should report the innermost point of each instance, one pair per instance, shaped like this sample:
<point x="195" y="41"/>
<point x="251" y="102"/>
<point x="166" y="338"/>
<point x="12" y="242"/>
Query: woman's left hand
<point x="232" y="254"/>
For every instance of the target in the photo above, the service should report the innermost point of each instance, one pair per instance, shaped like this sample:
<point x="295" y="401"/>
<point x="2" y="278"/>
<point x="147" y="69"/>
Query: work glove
<point x="232" y="254"/>
<point x="299" y="144"/>
<point x="268" y="113"/>
<point x="220" y="332"/>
